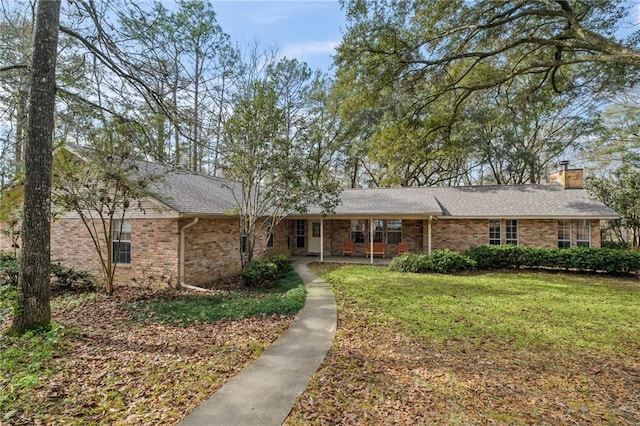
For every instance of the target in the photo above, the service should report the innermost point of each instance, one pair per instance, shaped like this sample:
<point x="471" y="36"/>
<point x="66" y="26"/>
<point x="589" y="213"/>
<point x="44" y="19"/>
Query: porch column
<point x="321" y="239"/>
<point x="429" y="236"/>
<point x="371" y="239"/>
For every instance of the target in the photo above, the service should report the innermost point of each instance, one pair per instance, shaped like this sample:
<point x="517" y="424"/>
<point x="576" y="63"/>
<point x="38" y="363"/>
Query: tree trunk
<point x="196" y="114"/>
<point x="34" y="308"/>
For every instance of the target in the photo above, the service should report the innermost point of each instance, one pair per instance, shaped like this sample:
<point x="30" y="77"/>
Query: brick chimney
<point x="568" y="178"/>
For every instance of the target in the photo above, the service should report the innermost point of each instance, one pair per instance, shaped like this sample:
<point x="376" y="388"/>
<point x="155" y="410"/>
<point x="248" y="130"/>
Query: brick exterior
<point x="453" y="234"/>
<point x="457" y="235"/>
<point x="154" y="250"/>
<point x="212" y="246"/>
<point x="462" y="234"/>
<point x="212" y="250"/>
<point x="569" y="178"/>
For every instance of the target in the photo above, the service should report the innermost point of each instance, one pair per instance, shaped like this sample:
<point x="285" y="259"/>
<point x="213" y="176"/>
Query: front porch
<point x="355" y="260"/>
<point x="368" y="240"/>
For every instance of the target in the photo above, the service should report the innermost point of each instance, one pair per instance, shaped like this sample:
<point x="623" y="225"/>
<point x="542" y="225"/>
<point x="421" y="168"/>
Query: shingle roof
<point x="385" y="201"/>
<point x="500" y="201"/>
<point x="182" y="190"/>
<point x="541" y="200"/>
<point x="195" y="194"/>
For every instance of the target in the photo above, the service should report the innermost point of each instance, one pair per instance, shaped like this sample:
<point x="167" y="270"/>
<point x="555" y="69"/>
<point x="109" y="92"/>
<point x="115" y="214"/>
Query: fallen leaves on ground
<point x="376" y="374"/>
<point x="117" y="370"/>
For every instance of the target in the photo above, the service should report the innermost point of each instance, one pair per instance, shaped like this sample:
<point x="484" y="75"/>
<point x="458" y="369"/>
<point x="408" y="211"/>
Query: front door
<point x="314" y="236"/>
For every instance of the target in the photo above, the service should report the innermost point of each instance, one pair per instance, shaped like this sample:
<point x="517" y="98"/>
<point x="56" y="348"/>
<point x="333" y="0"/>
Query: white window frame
<point x="563" y="233"/>
<point x="509" y="229"/>
<point x="583" y="233"/>
<point x="121" y="238"/>
<point x="493" y="239"/>
<point x="394" y="231"/>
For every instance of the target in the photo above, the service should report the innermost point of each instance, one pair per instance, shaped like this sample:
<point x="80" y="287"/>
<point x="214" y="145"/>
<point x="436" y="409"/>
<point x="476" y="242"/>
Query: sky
<point x="307" y="30"/>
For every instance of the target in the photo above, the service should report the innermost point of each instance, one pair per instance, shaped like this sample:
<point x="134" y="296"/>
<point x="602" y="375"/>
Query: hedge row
<point x="264" y="272"/>
<point x="440" y="261"/>
<point x="590" y="259"/>
<point x="586" y="259"/>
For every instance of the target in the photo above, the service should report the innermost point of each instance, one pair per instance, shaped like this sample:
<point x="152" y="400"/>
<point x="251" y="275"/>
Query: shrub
<point x="446" y="261"/>
<point x="440" y="261"/>
<point x="410" y="262"/>
<point x="282" y="262"/>
<point x="264" y="272"/>
<point x="613" y="261"/>
<point x="62" y="277"/>
<point x="69" y="278"/>
<point x="489" y="257"/>
<point x="9" y="269"/>
<point x="616" y="245"/>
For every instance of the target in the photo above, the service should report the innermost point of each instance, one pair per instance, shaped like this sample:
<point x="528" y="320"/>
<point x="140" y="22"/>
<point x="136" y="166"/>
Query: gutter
<point x="181" y="265"/>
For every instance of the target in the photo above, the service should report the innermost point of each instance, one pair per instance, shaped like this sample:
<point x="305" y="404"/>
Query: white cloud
<point x="308" y="49"/>
<point x="271" y="19"/>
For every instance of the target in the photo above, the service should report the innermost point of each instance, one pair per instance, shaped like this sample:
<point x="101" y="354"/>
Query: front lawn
<point x="505" y="348"/>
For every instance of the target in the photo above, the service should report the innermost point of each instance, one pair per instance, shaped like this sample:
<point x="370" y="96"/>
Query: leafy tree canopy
<point x="465" y="46"/>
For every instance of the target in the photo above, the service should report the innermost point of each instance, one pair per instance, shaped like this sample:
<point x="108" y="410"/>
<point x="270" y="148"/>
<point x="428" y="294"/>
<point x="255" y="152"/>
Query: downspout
<point x="181" y="266"/>
<point x="429" y="236"/>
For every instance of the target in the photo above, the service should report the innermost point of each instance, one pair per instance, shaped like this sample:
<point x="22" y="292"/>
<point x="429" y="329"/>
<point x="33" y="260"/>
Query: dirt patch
<point x="119" y="370"/>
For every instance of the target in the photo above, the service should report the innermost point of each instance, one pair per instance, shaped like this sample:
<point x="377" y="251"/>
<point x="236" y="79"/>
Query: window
<point x="315" y="229"/>
<point x="494" y="233"/>
<point x="511" y="232"/>
<point x="357" y="230"/>
<point x="378" y="231"/>
<point x="121" y="241"/>
<point x="394" y="231"/>
<point x="243" y="243"/>
<point x="564" y="233"/>
<point x="583" y="237"/>
<point x="270" y="236"/>
<point x="301" y="224"/>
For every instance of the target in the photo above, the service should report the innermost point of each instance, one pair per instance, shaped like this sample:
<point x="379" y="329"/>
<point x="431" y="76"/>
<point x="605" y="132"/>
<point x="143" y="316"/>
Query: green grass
<point x="286" y="298"/>
<point x="25" y="360"/>
<point x="523" y="310"/>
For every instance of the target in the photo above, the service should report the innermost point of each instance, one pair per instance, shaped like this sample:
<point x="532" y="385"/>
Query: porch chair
<point x="347" y="248"/>
<point x="403" y="247"/>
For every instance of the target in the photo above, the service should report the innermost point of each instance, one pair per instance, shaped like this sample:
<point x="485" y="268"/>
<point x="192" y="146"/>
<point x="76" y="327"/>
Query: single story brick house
<point x="186" y="233"/>
<point x="555" y="214"/>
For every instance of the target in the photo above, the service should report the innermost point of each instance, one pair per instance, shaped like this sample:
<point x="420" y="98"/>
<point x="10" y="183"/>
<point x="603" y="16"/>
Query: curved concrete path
<point x="264" y="392"/>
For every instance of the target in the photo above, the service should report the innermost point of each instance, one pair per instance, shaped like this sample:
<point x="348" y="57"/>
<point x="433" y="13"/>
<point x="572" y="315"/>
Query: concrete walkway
<point x="264" y="392"/>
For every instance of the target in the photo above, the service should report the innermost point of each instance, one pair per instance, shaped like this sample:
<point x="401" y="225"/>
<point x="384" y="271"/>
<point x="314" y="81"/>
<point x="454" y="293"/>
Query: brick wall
<point x="154" y="250"/>
<point x="462" y="234"/>
<point x="457" y="234"/>
<point x="569" y="178"/>
<point x="596" y="240"/>
<point x="212" y="248"/>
